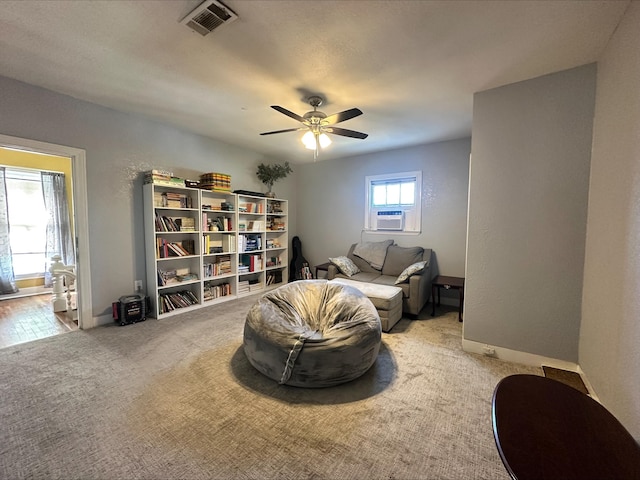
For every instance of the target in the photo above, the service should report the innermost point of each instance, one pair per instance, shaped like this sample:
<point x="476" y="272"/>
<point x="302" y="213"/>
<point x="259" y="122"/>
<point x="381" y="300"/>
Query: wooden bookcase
<point x="204" y="247"/>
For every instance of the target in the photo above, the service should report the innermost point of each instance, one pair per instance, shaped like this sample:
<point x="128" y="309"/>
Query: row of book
<point x="168" y="302"/>
<point x="274" y="262"/>
<point x="274" y="207"/>
<point x="250" y="226"/>
<point x="166" y="249"/>
<point x="221" y="266"/>
<point x="250" y="207"/>
<point x="218" y="244"/>
<point x="175" y="276"/>
<point x="172" y="200"/>
<point x="272" y="243"/>
<point x="249" y="263"/>
<point x="218" y="204"/>
<point x="276" y="224"/>
<point x="217" y="224"/>
<point x="175" y="224"/>
<point x="274" y="277"/>
<point x="249" y="243"/>
<point x="246" y="286"/>
<point x="213" y="291"/>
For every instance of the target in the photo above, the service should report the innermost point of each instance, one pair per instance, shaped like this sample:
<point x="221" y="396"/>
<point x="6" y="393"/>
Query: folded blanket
<point x="373" y="253"/>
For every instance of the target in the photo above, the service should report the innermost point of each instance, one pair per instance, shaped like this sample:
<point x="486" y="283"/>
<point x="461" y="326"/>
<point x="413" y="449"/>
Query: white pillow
<point x="345" y="265"/>
<point x="412" y="269"/>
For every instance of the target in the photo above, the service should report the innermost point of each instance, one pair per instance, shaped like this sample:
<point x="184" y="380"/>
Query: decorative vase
<point x="270" y="194"/>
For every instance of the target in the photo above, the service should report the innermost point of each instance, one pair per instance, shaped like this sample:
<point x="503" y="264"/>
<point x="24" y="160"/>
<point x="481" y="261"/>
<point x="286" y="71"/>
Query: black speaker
<point x="130" y="309"/>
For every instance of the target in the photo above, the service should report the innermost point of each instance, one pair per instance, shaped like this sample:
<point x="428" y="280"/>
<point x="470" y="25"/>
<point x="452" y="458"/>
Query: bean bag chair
<point x="312" y="333"/>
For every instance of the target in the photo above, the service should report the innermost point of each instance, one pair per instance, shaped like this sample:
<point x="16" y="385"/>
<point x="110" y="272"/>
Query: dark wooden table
<point x="323" y="266"/>
<point x="545" y="429"/>
<point x="448" y="283"/>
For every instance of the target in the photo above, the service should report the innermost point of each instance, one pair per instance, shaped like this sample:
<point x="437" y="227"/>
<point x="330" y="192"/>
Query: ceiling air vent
<point x="208" y="16"/>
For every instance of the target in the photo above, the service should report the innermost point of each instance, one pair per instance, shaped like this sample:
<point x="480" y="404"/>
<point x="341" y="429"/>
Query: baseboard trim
<point x="525" y="358"/>
<point x="516" y="356"/>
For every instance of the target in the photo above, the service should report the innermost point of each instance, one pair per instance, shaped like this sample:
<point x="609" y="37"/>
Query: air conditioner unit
<point x="390" y="221"/>
<point x="208" y="16"/>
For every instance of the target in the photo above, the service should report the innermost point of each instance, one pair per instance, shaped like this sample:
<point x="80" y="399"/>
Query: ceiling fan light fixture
<point x="309" y="140"/>
<point x="325" y="141"/>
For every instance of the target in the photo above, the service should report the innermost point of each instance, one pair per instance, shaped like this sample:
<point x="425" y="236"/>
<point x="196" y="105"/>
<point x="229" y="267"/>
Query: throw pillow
<point x="345" y="265"/>
<point x="398" y="258"/>
<point x="412" y="269"/>
<point x="373" y="253"/>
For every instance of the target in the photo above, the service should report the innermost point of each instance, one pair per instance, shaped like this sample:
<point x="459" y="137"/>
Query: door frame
<point x="80" y="212"/>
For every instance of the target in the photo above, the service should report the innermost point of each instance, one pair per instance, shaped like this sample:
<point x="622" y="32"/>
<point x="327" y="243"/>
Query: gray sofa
<point x="415" y="292"/>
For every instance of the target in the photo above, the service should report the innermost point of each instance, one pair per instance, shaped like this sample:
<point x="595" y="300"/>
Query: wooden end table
<point x="545" y="429"/>
<point x="323" y="267"/>
<point x="448" y="283"/>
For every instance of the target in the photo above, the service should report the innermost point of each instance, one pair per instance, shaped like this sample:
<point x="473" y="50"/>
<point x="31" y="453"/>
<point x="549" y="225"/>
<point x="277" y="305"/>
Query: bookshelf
<point x="204" y="247"/>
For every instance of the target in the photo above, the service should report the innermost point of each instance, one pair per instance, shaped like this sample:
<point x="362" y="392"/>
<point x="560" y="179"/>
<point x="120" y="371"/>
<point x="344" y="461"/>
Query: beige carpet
<point x="177" y="398"/>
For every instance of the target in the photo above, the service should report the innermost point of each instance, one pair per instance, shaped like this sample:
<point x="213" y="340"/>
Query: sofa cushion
<point x="345" y="265"/>
<point x="363" y="265"/>
<point x="391" y="281"/>
<point x="362" y="277"/>
<point x="412" y="269"/>
<point x="398" y="258"/>
<point x="373" y="252"/>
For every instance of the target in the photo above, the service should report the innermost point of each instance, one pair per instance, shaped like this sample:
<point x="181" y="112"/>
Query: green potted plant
<point x="269" y="174"/>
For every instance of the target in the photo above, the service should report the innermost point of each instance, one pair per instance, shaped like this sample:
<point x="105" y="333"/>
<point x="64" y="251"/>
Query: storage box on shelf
<point x="174" y="263"/>
<point x="204" y="247"/>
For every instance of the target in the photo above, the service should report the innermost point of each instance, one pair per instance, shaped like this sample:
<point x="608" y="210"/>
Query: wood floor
<point x="30" y="318"/>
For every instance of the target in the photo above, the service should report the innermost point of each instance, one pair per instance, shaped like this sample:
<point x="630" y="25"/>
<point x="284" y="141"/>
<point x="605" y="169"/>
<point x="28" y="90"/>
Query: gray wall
<point x="610" y="333"/>
<point x="332" y="197"/>
<point x="118" y="148"/>
<point x="529" y="182"/>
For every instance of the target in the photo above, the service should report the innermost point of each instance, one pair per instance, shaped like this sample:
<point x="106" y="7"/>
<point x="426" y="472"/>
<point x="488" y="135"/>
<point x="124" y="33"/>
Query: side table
<point x="448" y="283"/>
<point x="323" y="267"/>
<point x="546" y="429"/>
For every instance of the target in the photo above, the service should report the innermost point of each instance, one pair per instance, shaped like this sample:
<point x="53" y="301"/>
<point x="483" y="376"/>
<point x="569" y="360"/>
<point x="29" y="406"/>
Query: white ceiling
<point x="411" y="66"/>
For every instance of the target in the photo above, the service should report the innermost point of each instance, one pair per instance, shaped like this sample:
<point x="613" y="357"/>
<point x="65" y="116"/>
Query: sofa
<point x="392" y="261"/>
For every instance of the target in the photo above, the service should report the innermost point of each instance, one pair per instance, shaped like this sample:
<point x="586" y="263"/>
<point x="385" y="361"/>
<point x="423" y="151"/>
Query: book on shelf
<point x="168" y="302"/>
<point x="256" y="226"/>
<point x="166" y="249"/>
<point x="274" y="206"/>
<point x="221" y="266"/>
<point x="218" y="204"/>
<point x="272" y="243"/>
<point x="172" y="200"/>
<point x="249" y="243"/>
<point x="274" y="277"/>
<point x="213" y="291"/>
<point x="175" y="224"/>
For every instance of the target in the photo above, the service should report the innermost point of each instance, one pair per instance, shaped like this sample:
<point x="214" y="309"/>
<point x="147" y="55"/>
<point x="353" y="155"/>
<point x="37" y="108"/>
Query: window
<point x="28" y="219"/>
<point x="393" y="202"/>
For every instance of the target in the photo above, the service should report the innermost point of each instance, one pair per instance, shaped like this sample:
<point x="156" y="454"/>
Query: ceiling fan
<point x="317" y="125"/>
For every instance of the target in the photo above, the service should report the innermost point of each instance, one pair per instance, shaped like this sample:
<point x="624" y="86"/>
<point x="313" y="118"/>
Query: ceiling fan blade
<point x="347" y="133"/>
<point x="288" y="113"/>
<point x="283" y="131"/>
<point x="342" y="116"/>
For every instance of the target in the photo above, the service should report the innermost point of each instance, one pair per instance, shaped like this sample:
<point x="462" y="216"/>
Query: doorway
<point x="78" y="194"/>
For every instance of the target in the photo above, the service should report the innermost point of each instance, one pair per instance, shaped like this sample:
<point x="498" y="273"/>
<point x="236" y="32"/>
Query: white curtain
<point x="7" y="277"/>
<point x="59" y="238"/>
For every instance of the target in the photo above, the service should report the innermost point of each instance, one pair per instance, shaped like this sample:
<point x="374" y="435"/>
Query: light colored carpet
<point x="177" y="398"/>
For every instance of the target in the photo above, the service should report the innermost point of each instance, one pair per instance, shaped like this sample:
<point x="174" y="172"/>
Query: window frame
<point x="412" y="213"/>
<point x="28" y="175"/>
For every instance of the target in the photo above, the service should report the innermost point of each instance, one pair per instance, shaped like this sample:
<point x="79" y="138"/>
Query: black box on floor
<point x="130" y="309"/>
